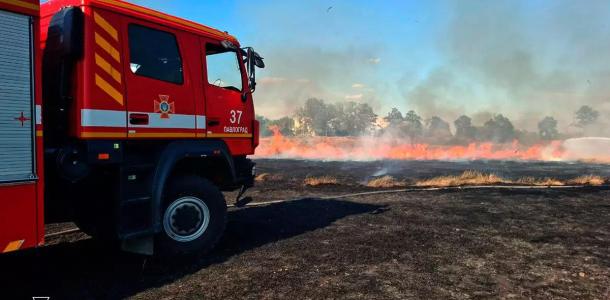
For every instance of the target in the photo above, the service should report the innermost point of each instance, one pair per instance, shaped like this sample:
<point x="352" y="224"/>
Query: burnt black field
<point x="413" y="170"/>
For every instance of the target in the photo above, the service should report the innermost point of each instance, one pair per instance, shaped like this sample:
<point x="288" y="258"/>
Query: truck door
<point x="18" y="221"/>
<point x="160" y="100"/>
<point x="229" y="114"/>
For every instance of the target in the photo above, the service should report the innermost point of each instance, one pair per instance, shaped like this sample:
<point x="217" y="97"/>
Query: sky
<point x="525" y="59"/>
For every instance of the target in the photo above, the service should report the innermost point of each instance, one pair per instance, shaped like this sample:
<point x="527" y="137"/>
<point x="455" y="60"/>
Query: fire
<point x="379" y="148"/>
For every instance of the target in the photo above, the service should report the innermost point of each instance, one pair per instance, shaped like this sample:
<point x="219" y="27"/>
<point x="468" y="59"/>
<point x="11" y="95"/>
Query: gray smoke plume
<point x="524" y="60"/>
<point x="296" y="74"/>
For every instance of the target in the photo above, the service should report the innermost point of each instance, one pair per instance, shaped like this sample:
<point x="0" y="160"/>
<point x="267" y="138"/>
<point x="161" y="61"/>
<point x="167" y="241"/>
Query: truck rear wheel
<point x="193" y="218"/>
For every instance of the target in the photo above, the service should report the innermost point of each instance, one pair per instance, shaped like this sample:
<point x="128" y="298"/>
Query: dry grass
<point x="321" y="180"/>
<point x="268" y="177"/>
<point x="467" y="178"/>
<point x="478" y="178"/>
<point x="539" y="181"/>
<point x="587" y="180"/>
<point x="385" y="182"/>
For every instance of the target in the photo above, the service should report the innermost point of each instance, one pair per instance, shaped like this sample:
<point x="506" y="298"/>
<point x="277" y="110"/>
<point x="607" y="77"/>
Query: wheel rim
<point x="186" y="219"/>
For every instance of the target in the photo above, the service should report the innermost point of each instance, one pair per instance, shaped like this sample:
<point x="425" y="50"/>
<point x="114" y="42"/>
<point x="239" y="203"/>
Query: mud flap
<point x="142" y="245"/>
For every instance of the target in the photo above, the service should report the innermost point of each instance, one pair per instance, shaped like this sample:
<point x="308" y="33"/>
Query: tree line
<point x="315" y="117"/>
<point x="318" y="118"/>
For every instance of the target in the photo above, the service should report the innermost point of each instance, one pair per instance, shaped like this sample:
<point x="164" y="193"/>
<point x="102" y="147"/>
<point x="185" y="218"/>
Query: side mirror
<point x="258" y="60"/>
<point x="253" y="60"/>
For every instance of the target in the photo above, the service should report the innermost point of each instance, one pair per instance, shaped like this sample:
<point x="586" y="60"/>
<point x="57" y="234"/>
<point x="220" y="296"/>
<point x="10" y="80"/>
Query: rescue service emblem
<point x="164" y="107"/>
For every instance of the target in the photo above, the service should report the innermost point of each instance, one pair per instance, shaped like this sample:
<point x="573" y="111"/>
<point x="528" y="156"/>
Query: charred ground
<point x="478" y="243"/>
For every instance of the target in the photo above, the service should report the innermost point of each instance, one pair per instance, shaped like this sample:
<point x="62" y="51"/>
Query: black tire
<point x="187" y="192"/>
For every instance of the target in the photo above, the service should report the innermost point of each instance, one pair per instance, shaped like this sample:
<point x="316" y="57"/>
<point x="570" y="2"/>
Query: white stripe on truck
<point x="103" y="118"/>
<point x="38" y="114"/>
<point x="119" y="118"/>
<point x="201" y="122"/>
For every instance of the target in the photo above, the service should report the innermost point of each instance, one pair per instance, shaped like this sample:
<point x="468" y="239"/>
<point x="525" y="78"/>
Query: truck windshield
<point x="223" y="68"/>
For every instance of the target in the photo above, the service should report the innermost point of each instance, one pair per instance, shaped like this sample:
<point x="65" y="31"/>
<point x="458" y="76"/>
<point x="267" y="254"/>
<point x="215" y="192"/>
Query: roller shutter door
<point x="16" y="104"/>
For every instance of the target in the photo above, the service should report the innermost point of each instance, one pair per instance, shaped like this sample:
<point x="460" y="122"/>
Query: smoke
<point x="591" y="149"/>
<point x="333" y="55"/>
<point x="296" y="74"/>
<point x="524" y="60"/>
<point x="438" y="94"/>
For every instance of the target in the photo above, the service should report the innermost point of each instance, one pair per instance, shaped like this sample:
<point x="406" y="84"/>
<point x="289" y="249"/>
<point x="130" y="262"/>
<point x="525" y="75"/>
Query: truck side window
<point x="223" y="68"/>
<point x="154" y="54"/>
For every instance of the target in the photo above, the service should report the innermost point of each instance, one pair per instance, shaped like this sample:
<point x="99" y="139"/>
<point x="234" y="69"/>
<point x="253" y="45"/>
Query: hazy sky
<point x="525" y="59"/>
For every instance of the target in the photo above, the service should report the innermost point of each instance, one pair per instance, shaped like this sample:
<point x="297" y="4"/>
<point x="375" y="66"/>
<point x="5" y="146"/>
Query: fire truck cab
<point x="144" y="119"/>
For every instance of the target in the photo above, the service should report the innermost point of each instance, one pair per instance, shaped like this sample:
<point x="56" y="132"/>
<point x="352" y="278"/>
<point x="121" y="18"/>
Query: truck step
<point x="136" y="234"/>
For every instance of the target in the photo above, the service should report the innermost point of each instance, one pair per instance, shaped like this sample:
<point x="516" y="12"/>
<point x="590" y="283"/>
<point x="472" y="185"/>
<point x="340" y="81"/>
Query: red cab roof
<point x="140" y="12"/>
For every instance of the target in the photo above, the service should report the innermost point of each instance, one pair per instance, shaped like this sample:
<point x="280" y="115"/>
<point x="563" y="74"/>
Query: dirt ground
<point x="463" y="244"/>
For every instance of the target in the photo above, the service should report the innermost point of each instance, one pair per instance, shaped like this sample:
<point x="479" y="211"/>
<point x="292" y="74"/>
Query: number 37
<point x="235" y="116"/>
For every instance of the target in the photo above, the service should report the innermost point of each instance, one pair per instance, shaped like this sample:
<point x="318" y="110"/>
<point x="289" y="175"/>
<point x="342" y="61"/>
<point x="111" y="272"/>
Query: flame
<point x="380" y="148"/>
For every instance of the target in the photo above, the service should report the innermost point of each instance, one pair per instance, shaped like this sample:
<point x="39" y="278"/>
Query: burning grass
<point x="385" y="182"/>
<point x="321" y="180"/>
<point x="374" y="148"/>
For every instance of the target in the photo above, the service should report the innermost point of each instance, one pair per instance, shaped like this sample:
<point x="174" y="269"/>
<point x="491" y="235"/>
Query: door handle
<point x="213" y="123"/>
<point x="138" y="119"/>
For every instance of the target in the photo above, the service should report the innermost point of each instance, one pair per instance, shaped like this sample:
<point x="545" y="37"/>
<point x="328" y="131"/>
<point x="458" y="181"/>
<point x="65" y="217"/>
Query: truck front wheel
<point x="194" y="217"/>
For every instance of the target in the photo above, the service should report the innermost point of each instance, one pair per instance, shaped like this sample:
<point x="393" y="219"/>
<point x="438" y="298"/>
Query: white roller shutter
<point x="16" y="104"/>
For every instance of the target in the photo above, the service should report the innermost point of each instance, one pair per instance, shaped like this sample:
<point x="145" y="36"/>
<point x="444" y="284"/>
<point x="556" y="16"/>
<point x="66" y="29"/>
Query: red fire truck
<point x="125" y="120"/>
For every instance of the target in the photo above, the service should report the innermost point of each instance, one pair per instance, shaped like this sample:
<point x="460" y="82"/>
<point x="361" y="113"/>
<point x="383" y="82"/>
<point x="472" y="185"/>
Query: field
<point x="459" y="243"/>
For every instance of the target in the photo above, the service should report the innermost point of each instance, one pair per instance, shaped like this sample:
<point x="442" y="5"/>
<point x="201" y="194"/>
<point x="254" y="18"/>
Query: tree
<point x="412" y="125"/>
<point x="364" y="117"/>
<point x="547" y="128"/>
<point x="464" y="129"/>
<point x="313" y="117"/>
<point x="303" y="124"/>
<point x="394" y="118"/>
<point x="499" y="129"/>
<point x="585" y="116"/>
<point x="351" y="118"/>
<point x="285" y="125"/>
<point x="438" y="129"/>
